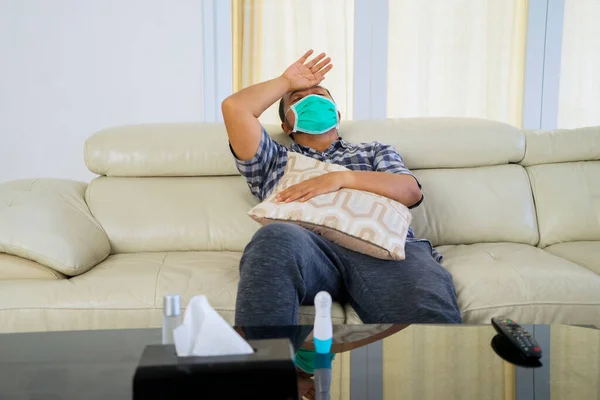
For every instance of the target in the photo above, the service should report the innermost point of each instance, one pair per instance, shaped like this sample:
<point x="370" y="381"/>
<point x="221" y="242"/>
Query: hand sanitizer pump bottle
<point x="323" y="329"/>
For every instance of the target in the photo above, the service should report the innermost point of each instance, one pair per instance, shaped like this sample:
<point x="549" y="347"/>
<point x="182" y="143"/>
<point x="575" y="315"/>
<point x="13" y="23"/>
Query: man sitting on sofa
<point x="284" y="265"/>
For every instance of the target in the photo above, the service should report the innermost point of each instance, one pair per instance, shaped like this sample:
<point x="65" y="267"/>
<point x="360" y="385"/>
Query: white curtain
<point x="579" y="93"/>
<point x="461" y="58"/>
<point x="269" y="35"/>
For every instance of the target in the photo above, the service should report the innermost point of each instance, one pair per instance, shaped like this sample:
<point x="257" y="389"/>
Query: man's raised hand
<point x="304" y="74"/>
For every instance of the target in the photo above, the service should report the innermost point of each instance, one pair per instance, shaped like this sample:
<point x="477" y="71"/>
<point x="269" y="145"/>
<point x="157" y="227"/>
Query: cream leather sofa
<point x="515" y="213"/>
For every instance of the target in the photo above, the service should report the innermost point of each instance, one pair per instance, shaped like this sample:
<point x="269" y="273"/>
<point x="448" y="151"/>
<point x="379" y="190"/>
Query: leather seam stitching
<point x="157" y="275"/>
<point x="20" y="194"/>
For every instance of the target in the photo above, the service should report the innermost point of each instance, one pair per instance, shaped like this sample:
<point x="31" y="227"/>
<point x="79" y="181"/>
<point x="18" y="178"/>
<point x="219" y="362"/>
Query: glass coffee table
<point x="369" y="362"/>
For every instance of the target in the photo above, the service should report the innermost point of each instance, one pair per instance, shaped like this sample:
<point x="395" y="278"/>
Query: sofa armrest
<point x="48" y="221"/>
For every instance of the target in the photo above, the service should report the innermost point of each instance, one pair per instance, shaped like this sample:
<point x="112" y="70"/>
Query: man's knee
<point x="279" y="232"/>
<point x="425" y="265"/>
<point x="435" y="277"/>
<point x="440" y="294"/>
<point x="443" y="275"/>
<point x="434" y="291"/>
<point x="274" y="248"/>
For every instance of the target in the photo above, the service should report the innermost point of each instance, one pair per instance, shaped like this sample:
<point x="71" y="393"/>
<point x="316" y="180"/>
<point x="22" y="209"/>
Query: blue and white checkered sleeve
<point x="264" y="170"/>
<point x="387" y="159"/>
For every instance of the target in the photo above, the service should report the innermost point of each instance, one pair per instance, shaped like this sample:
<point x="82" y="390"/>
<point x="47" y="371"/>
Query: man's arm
<point x="242" y="109"/>
<point x="390" y="179"/>
<point x="400" y="187"/>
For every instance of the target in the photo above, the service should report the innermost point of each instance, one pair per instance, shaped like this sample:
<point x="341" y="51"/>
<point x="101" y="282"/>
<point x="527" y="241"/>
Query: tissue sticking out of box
<point x="205" y="333"/>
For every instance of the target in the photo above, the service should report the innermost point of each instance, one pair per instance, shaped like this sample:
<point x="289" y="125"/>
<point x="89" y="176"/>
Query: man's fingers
<point x="309" y="195"/>
<point x="282" y="196"/>
<point x="303" y="59"/>
<point x="287" y="193"/>
<point x="315" y="60"/>
<point x="296" y="195"/>
<point x="321" y="74"/>
<point x="320" y="65"/>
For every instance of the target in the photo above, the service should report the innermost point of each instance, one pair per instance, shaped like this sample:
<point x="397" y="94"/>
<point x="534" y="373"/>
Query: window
<point x="579" y="92"/>
<point x="270" y="35"/>
<point x="459" y="58"/>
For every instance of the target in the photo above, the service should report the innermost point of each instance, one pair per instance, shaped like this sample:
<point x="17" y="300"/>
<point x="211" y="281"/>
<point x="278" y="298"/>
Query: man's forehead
<point x="318" y="87"/>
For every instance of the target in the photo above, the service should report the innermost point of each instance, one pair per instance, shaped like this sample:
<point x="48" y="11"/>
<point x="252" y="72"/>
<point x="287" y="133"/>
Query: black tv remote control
<point x="518" y="336"/>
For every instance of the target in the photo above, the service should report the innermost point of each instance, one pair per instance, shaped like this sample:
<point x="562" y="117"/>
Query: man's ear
<point x="286" y="128"/>
<point x="339" y="116"/>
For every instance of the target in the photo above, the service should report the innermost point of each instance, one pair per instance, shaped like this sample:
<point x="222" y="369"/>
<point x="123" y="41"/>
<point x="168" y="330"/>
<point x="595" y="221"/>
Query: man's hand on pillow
<point x="305" y="190"/>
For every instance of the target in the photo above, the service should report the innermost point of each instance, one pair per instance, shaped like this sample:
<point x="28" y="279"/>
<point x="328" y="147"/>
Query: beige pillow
<point x="49" y="222"/>
<point x="361" y="221"/>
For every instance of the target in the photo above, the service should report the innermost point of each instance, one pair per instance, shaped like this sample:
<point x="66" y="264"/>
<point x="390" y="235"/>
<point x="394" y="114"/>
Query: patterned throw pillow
<point x="361" y="221"/>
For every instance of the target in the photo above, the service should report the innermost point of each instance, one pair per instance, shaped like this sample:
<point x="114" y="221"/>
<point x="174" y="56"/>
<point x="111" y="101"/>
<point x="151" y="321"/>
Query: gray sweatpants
<point x="285" y="265"/>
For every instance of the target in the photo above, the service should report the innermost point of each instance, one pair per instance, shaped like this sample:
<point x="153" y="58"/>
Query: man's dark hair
<point x="282" y="112"/>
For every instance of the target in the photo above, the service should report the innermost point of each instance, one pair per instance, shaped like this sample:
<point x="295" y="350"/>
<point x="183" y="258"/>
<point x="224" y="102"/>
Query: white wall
<point x="71" y="67"/>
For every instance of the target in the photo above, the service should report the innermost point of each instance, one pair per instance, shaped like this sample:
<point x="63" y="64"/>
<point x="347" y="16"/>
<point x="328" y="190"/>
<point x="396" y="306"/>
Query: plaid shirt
<point x="264" y="170"/>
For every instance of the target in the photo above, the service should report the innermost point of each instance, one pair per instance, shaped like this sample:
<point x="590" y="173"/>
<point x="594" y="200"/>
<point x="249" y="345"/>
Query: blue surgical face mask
<point x="315" y="115"/>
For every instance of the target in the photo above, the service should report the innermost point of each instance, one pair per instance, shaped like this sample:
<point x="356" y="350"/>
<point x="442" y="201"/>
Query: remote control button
<point x="537" y="349"/>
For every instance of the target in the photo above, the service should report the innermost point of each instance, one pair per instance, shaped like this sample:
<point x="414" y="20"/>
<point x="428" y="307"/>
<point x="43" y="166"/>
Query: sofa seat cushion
<point x="125" y="291"/>
<point x="13" y="267"/>
<point x="582" y="253"/>
<point x="523" y="282"/>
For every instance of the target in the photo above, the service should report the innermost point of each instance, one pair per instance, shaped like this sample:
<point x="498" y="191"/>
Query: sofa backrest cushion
<point x="561" y="145"/>
<point x="171" y="149"/>
<point x="175" y="186"/>
<point x="201" y="149"/>
<point x="472" y="205"/>
<point x="173" y="214"/>
<point x="443" y="142"/>
<point x="564" y="170"/>
<point x="567" y="198"/>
